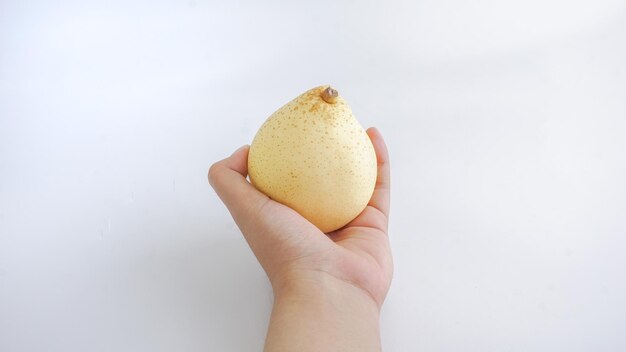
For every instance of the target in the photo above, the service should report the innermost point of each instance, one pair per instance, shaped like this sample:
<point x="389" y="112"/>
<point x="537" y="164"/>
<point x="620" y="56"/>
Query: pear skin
<point x="313" y="156"/>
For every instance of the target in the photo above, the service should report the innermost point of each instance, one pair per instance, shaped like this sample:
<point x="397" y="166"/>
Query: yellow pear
<point x="313" y="156"/>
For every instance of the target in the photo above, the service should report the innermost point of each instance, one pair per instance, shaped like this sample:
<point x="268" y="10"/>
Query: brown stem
<point x="330" y="95"/>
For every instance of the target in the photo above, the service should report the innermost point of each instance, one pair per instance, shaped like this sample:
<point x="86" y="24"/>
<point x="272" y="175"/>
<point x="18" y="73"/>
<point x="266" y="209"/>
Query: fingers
<point x="275" y="232"/>
<point x="228" y="178"/>
<point x="380" y="198"/>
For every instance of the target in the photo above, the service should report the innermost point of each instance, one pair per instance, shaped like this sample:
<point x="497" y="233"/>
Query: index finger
<point x="228" y="178"/>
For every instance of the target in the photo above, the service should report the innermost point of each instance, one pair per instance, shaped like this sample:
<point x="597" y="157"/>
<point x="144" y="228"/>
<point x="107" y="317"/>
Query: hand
<point x="298" y="258"/>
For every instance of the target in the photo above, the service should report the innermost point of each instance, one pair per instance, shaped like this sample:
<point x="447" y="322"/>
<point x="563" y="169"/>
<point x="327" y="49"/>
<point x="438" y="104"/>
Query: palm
<point x="360" y="250"/>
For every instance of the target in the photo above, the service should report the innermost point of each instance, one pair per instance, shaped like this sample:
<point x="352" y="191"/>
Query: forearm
<point x="325" y="315"/>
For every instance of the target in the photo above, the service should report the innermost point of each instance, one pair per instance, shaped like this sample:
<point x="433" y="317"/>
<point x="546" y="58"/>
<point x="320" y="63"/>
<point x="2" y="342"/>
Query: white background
<point x="506" y="123"/>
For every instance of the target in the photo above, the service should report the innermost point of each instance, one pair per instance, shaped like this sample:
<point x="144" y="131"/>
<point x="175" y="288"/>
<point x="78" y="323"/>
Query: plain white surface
<point x="506" y="122"/>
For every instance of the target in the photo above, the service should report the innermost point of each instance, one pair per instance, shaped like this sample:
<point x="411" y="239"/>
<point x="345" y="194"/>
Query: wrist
<point x="316" y="286"/>
<point x="318" y="310"/>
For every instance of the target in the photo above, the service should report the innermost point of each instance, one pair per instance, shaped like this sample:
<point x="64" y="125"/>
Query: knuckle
<point x="213" y="171"/>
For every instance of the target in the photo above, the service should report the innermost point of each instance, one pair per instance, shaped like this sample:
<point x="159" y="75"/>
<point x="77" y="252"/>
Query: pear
<point x="313" y="156"/>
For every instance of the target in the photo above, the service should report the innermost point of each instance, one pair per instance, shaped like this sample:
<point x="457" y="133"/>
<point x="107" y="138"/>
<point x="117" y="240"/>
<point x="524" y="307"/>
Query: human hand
<point x="349" y="266"/>
<point x="291" y="249"/>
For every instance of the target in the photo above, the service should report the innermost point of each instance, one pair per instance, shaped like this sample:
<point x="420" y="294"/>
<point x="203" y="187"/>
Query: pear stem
<point x="330" y="95"/>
